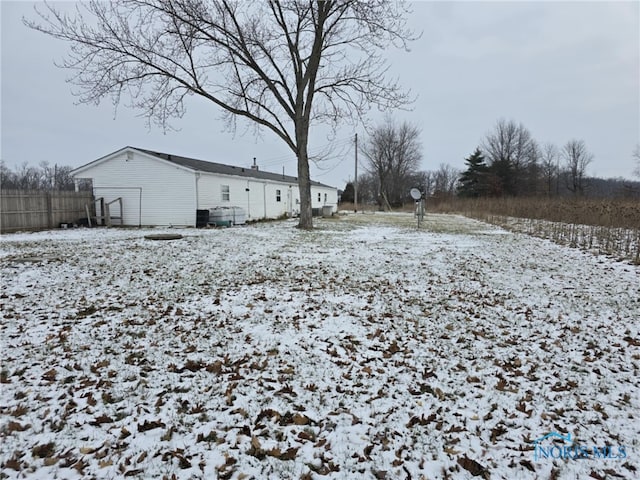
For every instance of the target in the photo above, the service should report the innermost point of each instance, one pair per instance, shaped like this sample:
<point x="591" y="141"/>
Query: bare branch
<point x="281" y="65"/>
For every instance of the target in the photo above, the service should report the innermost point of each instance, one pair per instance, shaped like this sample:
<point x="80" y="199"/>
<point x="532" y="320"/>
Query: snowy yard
<point x="362" y="350"/>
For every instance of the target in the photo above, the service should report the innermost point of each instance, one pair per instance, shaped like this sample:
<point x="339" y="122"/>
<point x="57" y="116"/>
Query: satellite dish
<point x="416" y="194"/>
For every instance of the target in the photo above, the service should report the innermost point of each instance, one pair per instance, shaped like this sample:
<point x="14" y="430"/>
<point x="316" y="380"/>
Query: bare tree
<point x="393" y="152"/>
<point x="577" y="158"/>
<point x="636" y="159"/>
<point x="509" y="149"/>
<point x="7" y="177"/>
<point x="368" y="192"/>
<point x="43" y="177"/>
<point x="445" y="181"/>
<point x="532" y="170"/>
<point x="280" y="65"/>
<point x="28" y="177"/>
<point x="550" y="159"/>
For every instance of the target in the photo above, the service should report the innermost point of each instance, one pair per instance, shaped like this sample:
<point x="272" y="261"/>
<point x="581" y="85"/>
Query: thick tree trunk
<point x="304" y="179"/>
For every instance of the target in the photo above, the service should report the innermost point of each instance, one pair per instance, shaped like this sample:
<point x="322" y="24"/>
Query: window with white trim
<point x="278" y="195"/>
<point x="226" y="196"/>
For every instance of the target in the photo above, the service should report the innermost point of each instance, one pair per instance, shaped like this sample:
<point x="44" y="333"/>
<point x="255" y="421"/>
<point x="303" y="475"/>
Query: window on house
<point x="225" y="193"/>
<point x="325" y="198"/>
<point x="319" y="197"/>
<point x="278" y="195"/>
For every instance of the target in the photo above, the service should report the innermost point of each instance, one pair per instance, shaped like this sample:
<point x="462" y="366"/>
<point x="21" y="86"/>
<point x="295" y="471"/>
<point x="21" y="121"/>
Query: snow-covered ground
<point x="364" y="349"/>
<point x="622" y="244"/>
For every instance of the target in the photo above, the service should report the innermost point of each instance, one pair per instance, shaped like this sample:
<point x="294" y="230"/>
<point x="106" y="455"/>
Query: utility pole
<point x="355" y="183"/>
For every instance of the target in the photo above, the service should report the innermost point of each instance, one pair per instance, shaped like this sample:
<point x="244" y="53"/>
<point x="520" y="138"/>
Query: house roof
<point x="211" y="167"/>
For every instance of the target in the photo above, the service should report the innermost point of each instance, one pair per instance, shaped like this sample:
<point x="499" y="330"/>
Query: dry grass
<point x="350" y="207"/>
<point x="603" y="213"/>
<point x="610" y="227"/>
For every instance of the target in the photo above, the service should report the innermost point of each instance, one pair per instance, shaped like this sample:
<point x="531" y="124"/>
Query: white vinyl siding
<point x="257" y="197"/>
<point x="153" y="192"/>
<point x="158" y="192"/>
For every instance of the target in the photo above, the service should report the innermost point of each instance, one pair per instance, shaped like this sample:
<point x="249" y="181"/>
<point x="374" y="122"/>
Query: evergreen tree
<point x="474" y="180"/>
<point x="502" y="178"/>
<point x="348" y="194"/>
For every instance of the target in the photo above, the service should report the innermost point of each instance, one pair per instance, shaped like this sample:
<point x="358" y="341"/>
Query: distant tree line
<point x="41" y="177"/>
<point x="509" y="162"/>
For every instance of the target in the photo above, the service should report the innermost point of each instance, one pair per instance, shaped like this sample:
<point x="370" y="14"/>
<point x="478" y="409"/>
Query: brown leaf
<point x="473" y="467"/>
<point x="183" y="462"/>
<point x="192" y="366"/>
<point x="497" y="431"/>
<point x="100" y="420"/>
<point x="632" y="341"/>
<point x="215" y="367"/>
<point x="299" y="419"/>
<point x="43" y="450"/>
<point x="306" y="436"/>
<point x="528" y="465"/>
<point x="503" y="386"/>
<point x="96" y="367"/>
<point x="255" y="443"/>
<point x="268" y="413"/>
<point x="134" y="472"/>
<point x="392" y="350"/>
<point x="50" y="375"/>
<point x="150" y="425"/>
<point x="16" y="427"/>
<point x="13" y="464"/>
<point x="80" y="465"/>
<point x="290" y="454"/>
<point x="422" y="421"/>
<point x="20" y="410"/>
<point x="522" y="407"/>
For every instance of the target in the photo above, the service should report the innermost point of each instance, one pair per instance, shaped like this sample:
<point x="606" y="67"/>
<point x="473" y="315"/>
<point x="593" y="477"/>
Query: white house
<point x="162" y="189"/>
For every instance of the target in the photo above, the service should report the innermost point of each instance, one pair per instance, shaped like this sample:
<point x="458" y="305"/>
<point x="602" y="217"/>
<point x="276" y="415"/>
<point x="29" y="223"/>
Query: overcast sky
<point x="566" y="70"/>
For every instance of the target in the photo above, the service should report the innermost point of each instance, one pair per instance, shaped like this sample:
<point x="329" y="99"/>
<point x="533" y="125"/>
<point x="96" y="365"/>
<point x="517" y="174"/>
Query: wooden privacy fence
<point x="40" y="210"/>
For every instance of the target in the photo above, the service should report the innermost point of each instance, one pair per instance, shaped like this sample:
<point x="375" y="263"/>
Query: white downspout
<point x="197" y="191"/>
<point x="264" y="194"/>
<point x="248" y="200"/>
<point x="195" y="224"/>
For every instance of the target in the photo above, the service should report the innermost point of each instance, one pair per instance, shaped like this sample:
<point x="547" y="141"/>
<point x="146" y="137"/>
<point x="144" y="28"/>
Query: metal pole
<point x="355" y="183"/>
